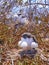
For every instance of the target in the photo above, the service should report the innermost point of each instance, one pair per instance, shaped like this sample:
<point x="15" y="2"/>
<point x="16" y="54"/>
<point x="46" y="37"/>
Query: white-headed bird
<point x="27" y="42"/>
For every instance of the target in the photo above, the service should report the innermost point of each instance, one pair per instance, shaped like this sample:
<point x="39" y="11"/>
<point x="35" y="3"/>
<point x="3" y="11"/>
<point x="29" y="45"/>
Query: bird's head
<point x="26" y="35"/>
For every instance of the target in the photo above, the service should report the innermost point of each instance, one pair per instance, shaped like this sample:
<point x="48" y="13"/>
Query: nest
<point x="28" y="53"/>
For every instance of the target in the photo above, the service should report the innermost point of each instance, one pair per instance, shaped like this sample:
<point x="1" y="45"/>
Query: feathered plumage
<point x="27" y="41"/>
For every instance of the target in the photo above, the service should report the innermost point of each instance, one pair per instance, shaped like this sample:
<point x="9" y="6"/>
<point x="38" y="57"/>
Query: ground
<point x="11" y="37"/>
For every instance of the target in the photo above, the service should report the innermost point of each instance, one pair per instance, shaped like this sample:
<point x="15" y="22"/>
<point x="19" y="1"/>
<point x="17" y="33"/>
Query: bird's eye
<point x="29" y="36"/>
<point x="26" y="36"/>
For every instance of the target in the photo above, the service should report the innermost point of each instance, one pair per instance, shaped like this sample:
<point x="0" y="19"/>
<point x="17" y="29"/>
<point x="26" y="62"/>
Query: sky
<point x="37" y="0"/>
<point x="18" y="8"/>
<point x="26" y="0"/>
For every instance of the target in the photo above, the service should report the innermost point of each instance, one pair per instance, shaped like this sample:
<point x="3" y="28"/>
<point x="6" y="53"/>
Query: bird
<point x="27" y="41"/>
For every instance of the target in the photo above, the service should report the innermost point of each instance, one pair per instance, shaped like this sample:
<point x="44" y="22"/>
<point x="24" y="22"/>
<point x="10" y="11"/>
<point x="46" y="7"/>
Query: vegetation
<point x="10" y="35"/>
<point x="40" y="32"/>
